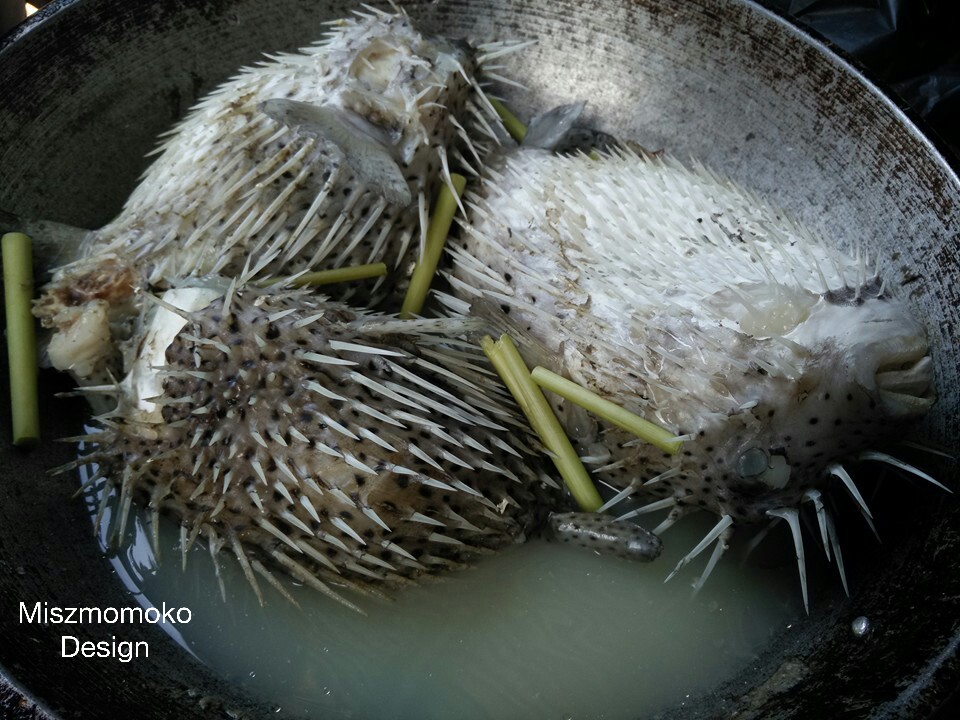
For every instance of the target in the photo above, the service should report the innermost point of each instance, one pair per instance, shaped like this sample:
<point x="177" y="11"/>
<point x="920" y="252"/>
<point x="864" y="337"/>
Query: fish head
<point x="876" y="344"/>
<point x="836" y="375"/>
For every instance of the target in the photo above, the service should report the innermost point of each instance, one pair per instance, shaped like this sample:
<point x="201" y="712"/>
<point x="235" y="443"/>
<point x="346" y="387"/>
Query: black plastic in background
<point x="911" y="46"/>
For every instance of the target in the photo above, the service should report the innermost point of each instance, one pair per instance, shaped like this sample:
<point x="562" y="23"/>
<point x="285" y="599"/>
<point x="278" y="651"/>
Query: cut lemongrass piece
<point x="328" y="277"/>
<point x="437" y="232"/>
<point x="513" y="371"/>
<point x="21" y="337"/>
<point x="611" y="412"/>
<point x="517" y="130"/>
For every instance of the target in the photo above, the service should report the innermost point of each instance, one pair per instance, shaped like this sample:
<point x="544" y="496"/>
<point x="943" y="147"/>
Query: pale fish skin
<point x="697" y="305"/>
<point x="319" y="159"/>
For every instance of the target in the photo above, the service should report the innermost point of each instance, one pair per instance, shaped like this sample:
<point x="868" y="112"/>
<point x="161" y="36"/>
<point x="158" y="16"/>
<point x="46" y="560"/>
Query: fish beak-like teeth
<point x="900" y="405"/>
<point x="914" y="379"/>
<point x="906" y="390"/>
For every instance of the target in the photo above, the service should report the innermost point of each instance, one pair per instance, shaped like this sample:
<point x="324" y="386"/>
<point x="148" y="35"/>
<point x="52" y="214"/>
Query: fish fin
<point x="54" y="243"/>
<point x="549" y="129"/>
<point x="368" y="157"/>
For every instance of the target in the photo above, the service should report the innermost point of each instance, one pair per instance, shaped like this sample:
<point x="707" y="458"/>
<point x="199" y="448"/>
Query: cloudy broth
<point x="536" y="631"/>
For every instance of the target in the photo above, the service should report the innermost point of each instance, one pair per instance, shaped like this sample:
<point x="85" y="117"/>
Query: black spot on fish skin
<point x="267" y="418"/>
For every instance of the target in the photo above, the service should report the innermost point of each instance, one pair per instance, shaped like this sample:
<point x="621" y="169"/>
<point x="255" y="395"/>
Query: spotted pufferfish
<point x="349" y="449"/>
<point x="308" y="460"/>
<point x="313" y="160"/>
<point x="354" y="450"/>
<point x="298" y="433"/>
<point x="693" y="303"/>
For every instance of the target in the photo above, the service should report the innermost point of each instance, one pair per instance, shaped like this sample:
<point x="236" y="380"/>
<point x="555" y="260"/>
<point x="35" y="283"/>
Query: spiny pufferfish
<point x="308" y="161"/>
<point x="350" y="449"/>
<point x="697" y="305"/>
<point x="345" y="447"/>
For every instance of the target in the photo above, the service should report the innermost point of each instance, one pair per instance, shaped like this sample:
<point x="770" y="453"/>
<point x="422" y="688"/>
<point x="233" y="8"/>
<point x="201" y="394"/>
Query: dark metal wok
<point x="87" y="85"/>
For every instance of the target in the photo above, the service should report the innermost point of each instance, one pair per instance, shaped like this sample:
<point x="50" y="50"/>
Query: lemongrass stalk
<point x="328" y="277"/>
<point x="512" y="124"/>
<point x="611" y="412"/>
<point x="437" y="232"/>
<point x="21" y="339"/>
<point x="513" y="371"/>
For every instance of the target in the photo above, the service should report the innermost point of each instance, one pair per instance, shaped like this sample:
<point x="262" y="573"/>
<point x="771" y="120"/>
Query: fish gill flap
<point x="365" y="155"/>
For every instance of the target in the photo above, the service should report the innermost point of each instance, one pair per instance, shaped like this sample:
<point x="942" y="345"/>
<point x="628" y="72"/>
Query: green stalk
<point x="337" y="275"/>
<point x="512" y="124"/>
<point x="21" y="338"/>
<point x="623" y="419"/>
<point x="513" y="371"/>
<point x="437" y="232"/>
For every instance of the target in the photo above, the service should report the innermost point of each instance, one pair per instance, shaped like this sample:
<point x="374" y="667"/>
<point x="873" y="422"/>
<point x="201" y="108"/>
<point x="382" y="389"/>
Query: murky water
<point x="537" y="631"/>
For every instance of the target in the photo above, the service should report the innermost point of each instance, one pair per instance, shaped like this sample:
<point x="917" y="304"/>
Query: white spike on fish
<point x="693" y="304"/>
<point x="791" y="515"/>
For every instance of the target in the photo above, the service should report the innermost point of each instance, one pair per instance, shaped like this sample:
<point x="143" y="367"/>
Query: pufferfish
<point x="314" y="160"/>
<point x="687" y="300"/>
<point x="344" y="448"/>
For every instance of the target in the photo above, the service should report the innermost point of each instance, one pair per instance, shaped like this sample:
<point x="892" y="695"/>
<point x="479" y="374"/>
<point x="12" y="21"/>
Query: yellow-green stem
<point x="517" y="130"/>
<point x="337" y="275"/>
<point x="513" y="371"/>
<point x="21" y="338"/>
<point x="611" y="412"/>
<point x="437" y="232"/>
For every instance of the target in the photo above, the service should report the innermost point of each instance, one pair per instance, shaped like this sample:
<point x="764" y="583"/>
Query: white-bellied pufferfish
<point x="320" y="159"/>
<point x="697" y="305"/>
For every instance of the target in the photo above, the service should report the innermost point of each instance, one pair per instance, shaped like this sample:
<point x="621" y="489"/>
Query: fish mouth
<point x="905" y="382"/>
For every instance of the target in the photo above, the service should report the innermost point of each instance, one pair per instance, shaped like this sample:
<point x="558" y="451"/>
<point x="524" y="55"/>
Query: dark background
<point x="909" y="47"/>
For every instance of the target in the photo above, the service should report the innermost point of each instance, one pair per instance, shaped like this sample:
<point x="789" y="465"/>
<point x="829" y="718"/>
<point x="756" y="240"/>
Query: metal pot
<point x="86" y="85"/>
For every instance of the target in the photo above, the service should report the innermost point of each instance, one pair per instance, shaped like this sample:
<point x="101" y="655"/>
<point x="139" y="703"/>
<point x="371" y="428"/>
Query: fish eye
<point x="752" y="463"/>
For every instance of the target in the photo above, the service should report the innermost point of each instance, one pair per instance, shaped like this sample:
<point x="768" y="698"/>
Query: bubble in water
<point x="860" y="626"/>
